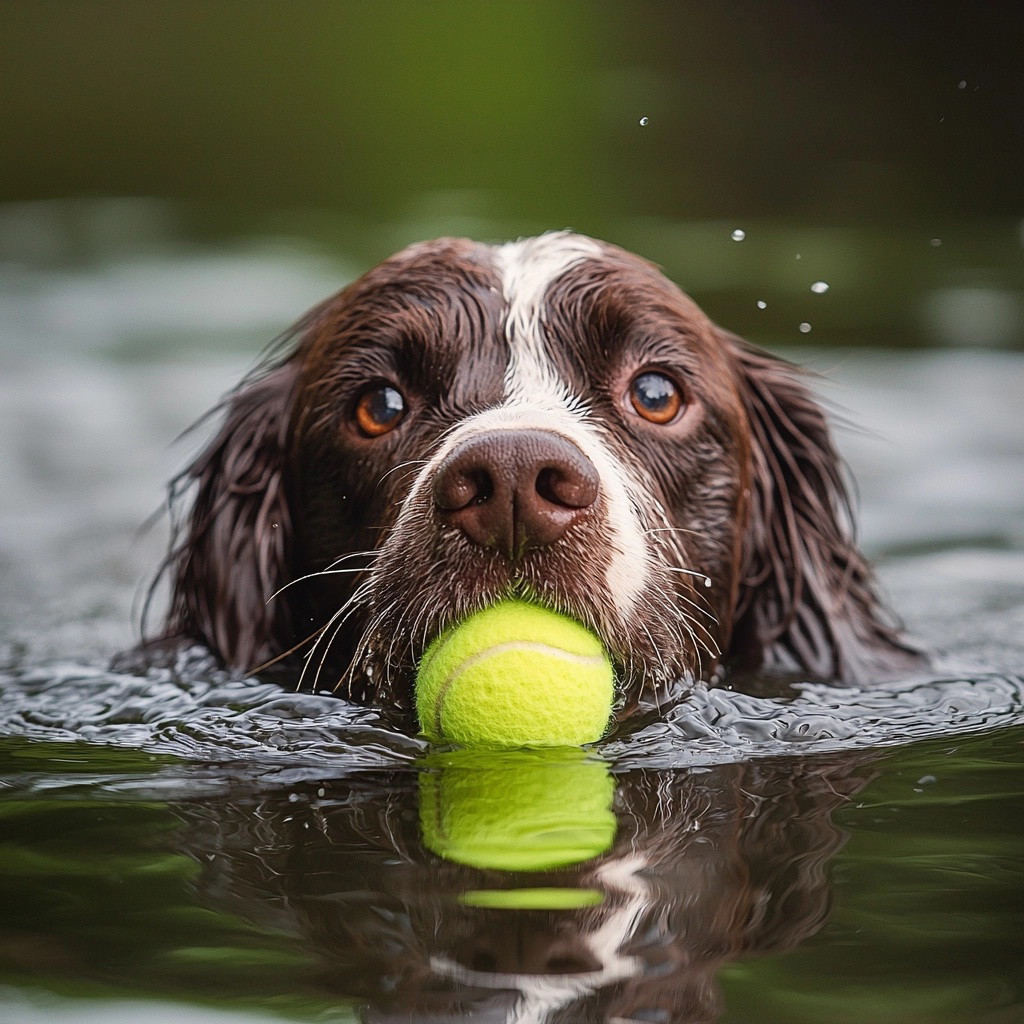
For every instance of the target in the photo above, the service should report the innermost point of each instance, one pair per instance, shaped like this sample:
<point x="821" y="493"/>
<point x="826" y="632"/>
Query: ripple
<point x="193" y="711"/>
<point x="716" y="725"/>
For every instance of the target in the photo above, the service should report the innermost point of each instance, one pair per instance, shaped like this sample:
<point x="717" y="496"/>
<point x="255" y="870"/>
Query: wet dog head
<point x="550" y="419"/>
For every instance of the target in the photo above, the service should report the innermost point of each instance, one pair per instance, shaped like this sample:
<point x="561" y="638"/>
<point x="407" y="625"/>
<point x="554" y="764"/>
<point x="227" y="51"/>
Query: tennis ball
<point x="522" y="810"/>
<point x="515" y="675"/>
<point x="543" y="898"/>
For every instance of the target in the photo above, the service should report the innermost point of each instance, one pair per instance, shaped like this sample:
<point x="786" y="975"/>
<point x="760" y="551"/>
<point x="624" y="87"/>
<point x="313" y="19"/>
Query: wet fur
<point x="748" y="490"/>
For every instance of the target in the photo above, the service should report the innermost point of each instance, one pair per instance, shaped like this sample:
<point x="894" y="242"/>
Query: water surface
<point x="182" y="845"/>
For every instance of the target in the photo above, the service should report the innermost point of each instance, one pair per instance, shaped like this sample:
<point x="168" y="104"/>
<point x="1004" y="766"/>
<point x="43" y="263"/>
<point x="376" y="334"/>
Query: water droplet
<point x="961" y="84"/>
<point x="935" y="243"/>
<point x="321" y="791"/>
<point x="738" y="235"/>
<point x="805" y="328"/>
<point x="819" y="287"/>
<point x="707" y="581"/>
<point x="798" y="255"/>
<point x="926" y="780"/>
<point x="761" y="304"/>
<point x="644" y="120"/>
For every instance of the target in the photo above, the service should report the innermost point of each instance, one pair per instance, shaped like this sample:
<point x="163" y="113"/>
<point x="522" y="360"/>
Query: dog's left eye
<point x="380" y="408"/>
<point x="655" y="397"/>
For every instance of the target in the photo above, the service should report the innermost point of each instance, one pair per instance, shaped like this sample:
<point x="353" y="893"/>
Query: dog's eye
<point x="379" y="409"/>
<point x="655" y="397"/>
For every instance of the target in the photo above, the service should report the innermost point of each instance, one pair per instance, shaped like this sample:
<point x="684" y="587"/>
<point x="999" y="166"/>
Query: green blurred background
<point x="876" y="147"/>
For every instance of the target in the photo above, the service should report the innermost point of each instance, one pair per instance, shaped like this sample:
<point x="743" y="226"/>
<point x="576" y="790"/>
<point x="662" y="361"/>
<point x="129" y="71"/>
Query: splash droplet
<point x="819" y="287"/>
<point x="644" y="120"/>
<point x="738" y="235"/>
<point x="961" y="84"/>
<point x="761" y="304"/>
<point x="798" y="255"/>
<point x="805" y="328"/>
<point x="935" y="243"/>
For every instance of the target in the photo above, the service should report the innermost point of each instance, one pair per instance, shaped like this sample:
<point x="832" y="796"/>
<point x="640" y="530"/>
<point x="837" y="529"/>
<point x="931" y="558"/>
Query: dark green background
<point x="836" y="130"/>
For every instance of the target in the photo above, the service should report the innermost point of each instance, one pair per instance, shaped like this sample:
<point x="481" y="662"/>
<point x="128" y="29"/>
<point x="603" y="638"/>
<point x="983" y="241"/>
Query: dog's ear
<point x="807" y="599"/>
<point x="230" y="553"/>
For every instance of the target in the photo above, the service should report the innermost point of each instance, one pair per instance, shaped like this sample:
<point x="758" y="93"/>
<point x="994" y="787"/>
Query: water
<point x="838" y="887"/>
<point x="181" y="845"/>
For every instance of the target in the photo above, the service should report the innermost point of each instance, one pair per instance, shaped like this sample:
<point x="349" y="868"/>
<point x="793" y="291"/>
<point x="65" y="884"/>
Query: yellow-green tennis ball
<point x="515" y="675"/>
<point x="540" y="898"/>
<point x="523" y="810"/>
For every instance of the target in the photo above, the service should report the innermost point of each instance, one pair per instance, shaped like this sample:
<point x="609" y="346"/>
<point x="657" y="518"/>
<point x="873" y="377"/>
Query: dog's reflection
<point x="533" y="887"/>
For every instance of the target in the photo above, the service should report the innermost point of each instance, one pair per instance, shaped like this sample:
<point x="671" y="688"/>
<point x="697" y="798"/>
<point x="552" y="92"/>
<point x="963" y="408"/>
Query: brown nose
<point x="515" y="490"/>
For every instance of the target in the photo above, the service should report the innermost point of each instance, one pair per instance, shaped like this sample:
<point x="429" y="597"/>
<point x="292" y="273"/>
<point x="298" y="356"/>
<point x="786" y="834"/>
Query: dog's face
<point x="550" y="419"/>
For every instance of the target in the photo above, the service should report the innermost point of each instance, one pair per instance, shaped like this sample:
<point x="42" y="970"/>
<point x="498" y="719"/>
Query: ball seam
<point x="512" y="645"/>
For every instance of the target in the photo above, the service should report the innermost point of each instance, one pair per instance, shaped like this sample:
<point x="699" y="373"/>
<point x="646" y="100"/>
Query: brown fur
<point x="749" y="482"/>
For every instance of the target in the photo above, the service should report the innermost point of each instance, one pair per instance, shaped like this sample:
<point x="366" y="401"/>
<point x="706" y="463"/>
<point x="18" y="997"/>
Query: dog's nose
<point x="515" y="490"/>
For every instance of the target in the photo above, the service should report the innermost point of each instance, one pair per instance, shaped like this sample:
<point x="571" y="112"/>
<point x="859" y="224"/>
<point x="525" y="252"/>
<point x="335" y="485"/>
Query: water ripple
<point x="192" y="711"/>
<point x="716" y="725"/>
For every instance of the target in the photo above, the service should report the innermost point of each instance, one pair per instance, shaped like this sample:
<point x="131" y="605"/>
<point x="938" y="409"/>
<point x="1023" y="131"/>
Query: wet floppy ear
<point x="230" y="553"/>
<point x="807" y="599"/>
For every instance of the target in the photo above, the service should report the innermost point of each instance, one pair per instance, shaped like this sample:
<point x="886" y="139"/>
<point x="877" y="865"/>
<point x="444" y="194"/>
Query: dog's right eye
<point x="380" y="408"/>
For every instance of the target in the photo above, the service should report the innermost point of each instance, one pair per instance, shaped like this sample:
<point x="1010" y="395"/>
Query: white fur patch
<point x="532" y="386"/>
<point x="528" y="268"/>
<point x="537" y="398"/>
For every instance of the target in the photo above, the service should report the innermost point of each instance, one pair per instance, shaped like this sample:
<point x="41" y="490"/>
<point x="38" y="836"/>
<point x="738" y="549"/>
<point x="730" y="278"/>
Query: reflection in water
<point x="403" y="889"/>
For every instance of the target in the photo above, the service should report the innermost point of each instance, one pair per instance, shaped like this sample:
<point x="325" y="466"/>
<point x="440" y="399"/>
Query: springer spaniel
<point x="550" y="418"/>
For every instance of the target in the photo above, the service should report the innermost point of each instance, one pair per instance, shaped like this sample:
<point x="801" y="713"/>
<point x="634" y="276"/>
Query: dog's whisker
<point x="671" y="529"/>
<point x="339" y="617"/>
<point x="689" y="572"/>
<point x="697" y="608"/>
<point x="411" y="463"/>
<point x="655" y="650"/>
<point x="349" y="610"/>
<point x="370" y="553"/>
<point x="313" y="650"/>
<point x="284" y="654"/>
<point x="313" y="576"/>
<point x="327" y="651"/>
<point x="706" y="640"/>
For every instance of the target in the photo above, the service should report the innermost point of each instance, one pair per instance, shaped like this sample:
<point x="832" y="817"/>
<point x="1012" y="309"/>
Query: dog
<point x="550" y="419"/>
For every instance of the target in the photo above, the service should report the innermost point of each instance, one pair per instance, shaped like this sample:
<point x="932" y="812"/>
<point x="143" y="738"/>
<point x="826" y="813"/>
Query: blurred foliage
<point x="863" y="132"/>
<point x="830" y="111"/>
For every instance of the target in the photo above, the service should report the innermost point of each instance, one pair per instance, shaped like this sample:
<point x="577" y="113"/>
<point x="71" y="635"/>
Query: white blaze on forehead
<point x="537" y="398"/>
<point x="528" y="268"/>
<point x="535" y="395"/>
